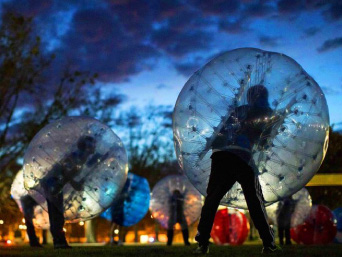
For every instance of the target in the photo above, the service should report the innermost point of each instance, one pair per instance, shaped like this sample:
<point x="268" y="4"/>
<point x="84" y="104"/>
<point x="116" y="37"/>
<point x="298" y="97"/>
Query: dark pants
<point x="281" y="231"/>
<point x="226" y="169"/>
<point x="28" y="205"/>
<point x="56" y="217"/>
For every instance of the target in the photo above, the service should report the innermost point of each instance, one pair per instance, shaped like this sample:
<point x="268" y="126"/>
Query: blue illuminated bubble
<point x="338" y="216"/>
<point x="81" y="158"/>
<point x="220" y="106"/>
<point x="132" y="203"/>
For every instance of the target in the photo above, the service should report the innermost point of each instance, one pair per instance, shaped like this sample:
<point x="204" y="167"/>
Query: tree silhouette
<point x="32" y="95"/>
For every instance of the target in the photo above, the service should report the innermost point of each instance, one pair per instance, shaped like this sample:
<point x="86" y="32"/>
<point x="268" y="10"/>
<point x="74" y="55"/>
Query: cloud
<point x="98" y="42"/>
<point x="233" y="27"/>
<point x="269" y="41"/>
<point x="330" y="44"/>
<point x="334" y="12"/>
<point x="331" y="91"/>
<point x="217" y="7"/>
<point x="309" y="32"/>
<point x="179" y="43"/>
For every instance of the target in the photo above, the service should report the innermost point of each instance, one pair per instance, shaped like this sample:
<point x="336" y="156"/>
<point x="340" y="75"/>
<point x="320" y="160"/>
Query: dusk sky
<point x="148" y="49"/>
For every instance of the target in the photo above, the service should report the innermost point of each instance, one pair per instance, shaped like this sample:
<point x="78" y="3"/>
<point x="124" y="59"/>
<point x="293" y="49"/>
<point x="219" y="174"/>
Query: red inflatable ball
<point x="230" y="227"/>
<point x="318" y="228"/>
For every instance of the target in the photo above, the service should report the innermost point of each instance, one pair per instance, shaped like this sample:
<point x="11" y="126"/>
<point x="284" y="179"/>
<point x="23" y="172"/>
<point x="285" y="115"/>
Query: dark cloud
<point x="97" y="42"/>
<point x="162" y="86"/>
<point x="309" y="32"/>
<point x="217" y="7"/>
<point x="290" y="6"/>
<point x="28" y="8"/>
<point x="179" y="43"/>
<point x="330" y="44"/>
<point x="259" y="9"/>
<point x="269" y="41"/>
<point x="233" y="27"/>
<point x="335" y="11"/>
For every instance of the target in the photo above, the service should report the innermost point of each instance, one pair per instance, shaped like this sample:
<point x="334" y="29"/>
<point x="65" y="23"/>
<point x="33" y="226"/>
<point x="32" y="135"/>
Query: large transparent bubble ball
<point x="80" y="157"/>
<point x="18" y="191"/>
<point x="302" y="207"/>
<point x="161" y="198"/>
<point x="294" y="134"/>
<point x="132" y="204"/>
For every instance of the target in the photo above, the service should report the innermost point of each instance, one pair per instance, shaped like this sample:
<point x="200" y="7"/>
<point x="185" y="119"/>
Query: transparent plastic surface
<point x="41" y="217"/>
<point x="79" y="160"/>
<point x="286" y="133"/>
<point x="161" y="199"/>
<point x="318" y="228"/>
<point x="132" y="204"/>
<point x="302" y="206"/>
<point x="230" y="227"/>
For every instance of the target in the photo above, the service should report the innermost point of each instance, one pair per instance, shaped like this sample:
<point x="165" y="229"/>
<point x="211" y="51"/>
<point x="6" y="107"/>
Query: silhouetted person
<point x="284" y="213"/>
<point x="28" y="204"/>
<point x="177" y="216"/>
<point x="62" y="173"/>
<point x="232" y="161"/>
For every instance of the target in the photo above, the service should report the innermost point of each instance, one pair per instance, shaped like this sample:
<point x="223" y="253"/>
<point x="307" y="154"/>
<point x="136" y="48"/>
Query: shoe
<point x="62" y="246"/>
<point x="271" y="249"/>
<point x="201" y="249"/>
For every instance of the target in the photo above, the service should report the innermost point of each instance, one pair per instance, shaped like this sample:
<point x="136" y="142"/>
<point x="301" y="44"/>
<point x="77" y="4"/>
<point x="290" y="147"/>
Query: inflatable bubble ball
<point x="173" y="193"/>
<point x="295" y="209"/>
<point x="318" y="228"/>
<point x="230" y="227"/>
<point x="132" y="204"/>
<point x="21" y="197"/>
<point x="78" y="164"/>
<point x="259" y="102"/>
<point x="338" y="217"/>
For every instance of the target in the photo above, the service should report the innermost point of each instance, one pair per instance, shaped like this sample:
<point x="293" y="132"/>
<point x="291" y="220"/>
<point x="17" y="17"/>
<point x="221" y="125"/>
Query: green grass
<point x="163" y="251"/>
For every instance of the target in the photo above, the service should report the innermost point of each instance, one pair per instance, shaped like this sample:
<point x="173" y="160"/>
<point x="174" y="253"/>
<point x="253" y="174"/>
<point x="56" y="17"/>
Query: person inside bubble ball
<point x="28" y="204"/>
<point x="284" y="213"/>
<point x="62" y="173"/>
<point x="177" y="216"/>
<point x="232" y="161"/>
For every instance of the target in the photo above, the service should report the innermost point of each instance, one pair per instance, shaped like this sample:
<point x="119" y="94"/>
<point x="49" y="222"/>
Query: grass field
<point x="331" y="250"/>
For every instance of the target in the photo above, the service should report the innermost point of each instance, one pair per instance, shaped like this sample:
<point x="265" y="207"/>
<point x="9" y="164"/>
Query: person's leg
<point x="169" y="236"/>
<point x="254" y="198"/>
<point x="111" y="233"/>
<point x="220" y="182"/>
<point x="287" y="236"/>
<point x="185" y="230"/>
<point x="28" y="205"/>
<point x="56" y="217"/>
<point x="281" y="235"/>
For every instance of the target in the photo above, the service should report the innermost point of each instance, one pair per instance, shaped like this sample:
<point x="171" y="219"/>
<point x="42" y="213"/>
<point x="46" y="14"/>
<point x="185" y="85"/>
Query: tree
<point x="32" y="95"/>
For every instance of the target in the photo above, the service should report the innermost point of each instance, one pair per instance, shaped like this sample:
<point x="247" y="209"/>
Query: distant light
<point x="1" y="222"/>
<point x="151" y="217"/>
<point x="64" y="229"/>
<point x="23" y="227"/>
<point x="81" y="223"/>
<point x="23" y="220"/>
<point x="9" y="242"/>
<point x="151" y="239"/>
<point x="143" y="239"/>
<point x="116" y="231"/>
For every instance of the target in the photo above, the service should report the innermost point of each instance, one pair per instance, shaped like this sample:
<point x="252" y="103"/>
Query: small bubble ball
<point x="132" y="204"/>
<point x="298" y="211"/>
<point x="318" y="228"/>
<point x="263" y="103"/>
<point x="79" y="160"/>
<point x="162" y="205"/>
<point x="18" y="193"/>
<point x="230" y="227"/>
